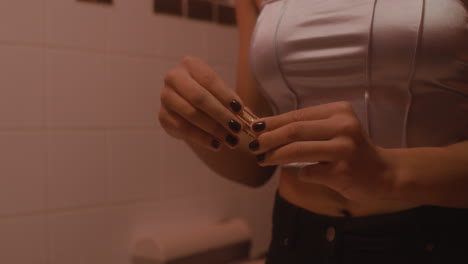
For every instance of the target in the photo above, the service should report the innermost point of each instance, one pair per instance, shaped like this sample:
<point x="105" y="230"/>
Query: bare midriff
<point x="323" y="200"/>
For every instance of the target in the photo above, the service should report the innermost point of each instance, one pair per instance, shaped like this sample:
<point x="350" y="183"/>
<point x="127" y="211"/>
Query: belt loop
<point x="429" y="224"/>
<point x="291" y="226"/>
<point x="342" y="225"/>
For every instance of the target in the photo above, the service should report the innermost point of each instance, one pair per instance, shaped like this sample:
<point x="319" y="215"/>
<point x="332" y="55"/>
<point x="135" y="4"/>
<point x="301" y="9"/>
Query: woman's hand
<point x="197" y="106"/>
<point x="332" y="135"/>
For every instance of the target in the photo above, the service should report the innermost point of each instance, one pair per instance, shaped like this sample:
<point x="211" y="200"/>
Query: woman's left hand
<point x="332" y="135"/>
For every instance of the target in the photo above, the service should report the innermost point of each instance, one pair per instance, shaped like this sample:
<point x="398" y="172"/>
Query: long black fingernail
<point x="261" y="158"/>
<point x="235" y="106"/>
<point x="259" y="126"/>
<point x="254" y="145"/>
<point x="231" y="140"/>
<point x="215" y="144"/>
<point x="235" y="126"/>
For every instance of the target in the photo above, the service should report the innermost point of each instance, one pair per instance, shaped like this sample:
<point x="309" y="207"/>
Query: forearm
<point x="433" y="176"/>
<point x="236" y="165"/>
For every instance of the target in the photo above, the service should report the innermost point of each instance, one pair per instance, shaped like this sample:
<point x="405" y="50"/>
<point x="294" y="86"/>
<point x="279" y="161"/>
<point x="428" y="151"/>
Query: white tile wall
<point x="135" y="84"/>
<point x="227" y="52"/>
<point x="22" y="172"/>
<point x="22" y="21"/>
<point x="71" y="23"/>
<point x="225" y="70"/>
<point x="22" y="82"/>
<point x="85" y="168"/>
<point x="192" y="38"/>
<point x="78" y="168"/>
<point x="182" y="172"/>
<point x="258" y="213"/>
<point x="133" y="28"/>
<point x="23" y="240"/>
<point x="82" y="237"/>
<point x="184" y="38"/>
<point x="78" y="91"/>
<point x="135" y="164"/>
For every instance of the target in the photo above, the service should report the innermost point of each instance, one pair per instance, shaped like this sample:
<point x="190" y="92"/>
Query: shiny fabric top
<point x="403" y="64"/>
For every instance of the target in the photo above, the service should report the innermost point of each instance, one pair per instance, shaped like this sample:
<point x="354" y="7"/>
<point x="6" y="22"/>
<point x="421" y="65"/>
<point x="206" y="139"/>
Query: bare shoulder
<point x="258" y="3"/>
<point x="247" y="88"/>
<point x="255" y="4"/>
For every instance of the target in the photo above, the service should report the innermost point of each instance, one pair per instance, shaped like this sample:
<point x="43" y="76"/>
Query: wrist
<point x="393" y="173"/>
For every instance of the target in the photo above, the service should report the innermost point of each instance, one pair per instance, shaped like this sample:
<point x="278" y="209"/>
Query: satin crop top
<point x="402" y="64"/>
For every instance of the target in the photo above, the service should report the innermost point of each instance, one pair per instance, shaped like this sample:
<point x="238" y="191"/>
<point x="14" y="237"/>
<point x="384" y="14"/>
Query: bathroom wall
<point x="84" y="166"/>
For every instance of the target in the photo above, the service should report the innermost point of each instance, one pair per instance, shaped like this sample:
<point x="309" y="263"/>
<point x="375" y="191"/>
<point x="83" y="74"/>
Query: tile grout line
<point x="70" y="129"/>
<point x="46" y="138"/>
<point x="108" y="130"/>
<point x="131" y="54"/>
<point x="77" y="209"/>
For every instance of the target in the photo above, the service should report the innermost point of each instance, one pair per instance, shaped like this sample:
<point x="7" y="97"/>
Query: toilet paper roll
<point x="164" y="249"/>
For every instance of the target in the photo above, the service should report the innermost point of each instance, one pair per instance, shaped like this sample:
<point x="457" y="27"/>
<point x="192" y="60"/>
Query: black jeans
<point x="426" y="234"/>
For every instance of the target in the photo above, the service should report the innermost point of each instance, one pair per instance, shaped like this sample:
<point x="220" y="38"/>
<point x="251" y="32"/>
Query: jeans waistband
<point x="424" y="221"/>
<point x="299" y="233"/>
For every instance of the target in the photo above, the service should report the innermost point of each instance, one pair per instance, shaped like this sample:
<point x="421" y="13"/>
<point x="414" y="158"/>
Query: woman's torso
<point x="403" y="64"/>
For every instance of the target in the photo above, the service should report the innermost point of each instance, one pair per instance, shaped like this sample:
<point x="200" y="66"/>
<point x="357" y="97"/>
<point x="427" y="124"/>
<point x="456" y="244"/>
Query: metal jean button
<point x="330" y="233"/>
<point x="429" y="247"/>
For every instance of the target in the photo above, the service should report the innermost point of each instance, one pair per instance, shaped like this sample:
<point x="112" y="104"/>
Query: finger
<point x="200" y="98"/>
<point x="318" y="112"/>
<point x="202" y="73"/>
<point x="306" y="151"/>
<point x="318" y="130"/>
<point x="179" y="128"/>
<point x="172" y="124"/>
<point x="174" y="102"/>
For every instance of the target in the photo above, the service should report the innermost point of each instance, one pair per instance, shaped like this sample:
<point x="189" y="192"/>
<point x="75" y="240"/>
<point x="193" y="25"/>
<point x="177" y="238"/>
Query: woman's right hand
<point x="198" y="106"/>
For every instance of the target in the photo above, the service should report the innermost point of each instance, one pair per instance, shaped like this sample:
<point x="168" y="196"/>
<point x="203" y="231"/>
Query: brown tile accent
<point x="200" y="9"/>
<point x="109" y="2"/>
<point x="226" y="15"/>
<point x="171" y="7"/>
